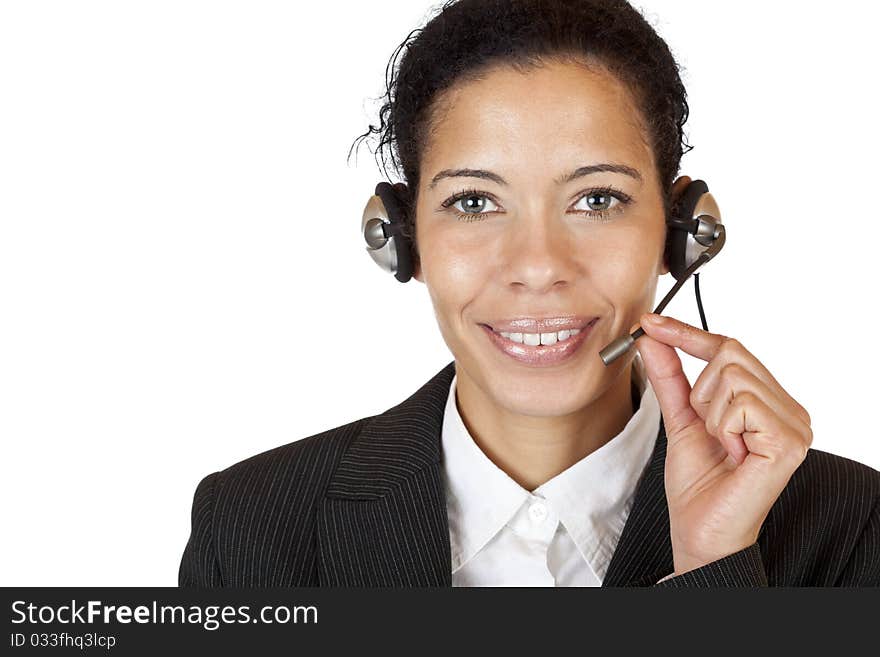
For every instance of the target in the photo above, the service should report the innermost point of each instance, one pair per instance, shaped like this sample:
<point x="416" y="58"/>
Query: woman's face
<point x="551" y="242"/>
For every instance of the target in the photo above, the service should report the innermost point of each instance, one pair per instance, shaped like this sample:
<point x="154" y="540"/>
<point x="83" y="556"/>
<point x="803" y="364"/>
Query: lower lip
<point x="542" y="355"/>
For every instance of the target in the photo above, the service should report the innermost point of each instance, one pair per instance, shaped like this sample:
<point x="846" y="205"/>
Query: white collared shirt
<point x="561" y="534"/>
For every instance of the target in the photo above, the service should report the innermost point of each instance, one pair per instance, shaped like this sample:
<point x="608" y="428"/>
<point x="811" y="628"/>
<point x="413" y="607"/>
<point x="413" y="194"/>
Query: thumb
<point x="673" y="390"/>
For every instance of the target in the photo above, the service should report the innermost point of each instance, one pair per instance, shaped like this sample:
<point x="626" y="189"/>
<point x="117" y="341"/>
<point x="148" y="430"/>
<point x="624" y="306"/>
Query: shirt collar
<point x="592" y="497"/>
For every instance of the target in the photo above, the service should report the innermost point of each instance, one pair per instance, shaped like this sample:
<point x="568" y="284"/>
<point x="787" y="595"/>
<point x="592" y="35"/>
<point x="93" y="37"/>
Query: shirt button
<point x="538" y="512"/>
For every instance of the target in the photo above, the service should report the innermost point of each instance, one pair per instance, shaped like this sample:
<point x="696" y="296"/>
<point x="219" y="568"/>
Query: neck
<point x="534" y="449"/>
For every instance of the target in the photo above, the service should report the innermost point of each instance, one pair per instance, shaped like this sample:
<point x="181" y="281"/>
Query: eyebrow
<point x="604" y="167"/>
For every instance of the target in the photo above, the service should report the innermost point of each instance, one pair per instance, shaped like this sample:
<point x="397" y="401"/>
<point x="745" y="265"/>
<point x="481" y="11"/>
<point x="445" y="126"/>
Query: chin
<point x="550" y="398"/>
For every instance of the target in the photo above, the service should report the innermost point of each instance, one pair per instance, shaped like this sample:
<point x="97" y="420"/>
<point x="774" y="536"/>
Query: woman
<point x="540" y="143"/>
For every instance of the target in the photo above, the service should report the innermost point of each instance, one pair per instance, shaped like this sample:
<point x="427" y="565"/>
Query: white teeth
<point x="535" y="339"/>
<point x="513" y="337"/>
<point x="549" y="338"/>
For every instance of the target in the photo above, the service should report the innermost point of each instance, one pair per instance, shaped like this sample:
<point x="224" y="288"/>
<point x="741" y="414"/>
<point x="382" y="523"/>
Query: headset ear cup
<point x="399" y="241"/>
<point x="677" y="237"/>
<point x="407" y="226"/>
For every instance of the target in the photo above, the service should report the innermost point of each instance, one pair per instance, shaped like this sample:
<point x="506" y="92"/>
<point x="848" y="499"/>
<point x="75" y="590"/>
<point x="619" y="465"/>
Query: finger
<point x="769" y="441"/>
<point x="690" y="339"/>
<point x="664" y="370"/>
<point x="732" y="351"/>
<point x="709" y="346"/>
<point x="730" y="379"/>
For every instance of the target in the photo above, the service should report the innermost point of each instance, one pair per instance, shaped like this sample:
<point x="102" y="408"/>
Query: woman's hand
<point x="734" y="440"/>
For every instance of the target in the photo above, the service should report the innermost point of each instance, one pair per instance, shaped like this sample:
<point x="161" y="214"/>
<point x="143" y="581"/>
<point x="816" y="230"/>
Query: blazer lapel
<point x="383" y="521"/>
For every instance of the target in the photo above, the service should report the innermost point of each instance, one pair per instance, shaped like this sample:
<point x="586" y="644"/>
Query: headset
<point x="694" y="236"/>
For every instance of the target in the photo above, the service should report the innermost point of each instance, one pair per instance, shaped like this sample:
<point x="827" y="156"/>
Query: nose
<point x="539" y="252"/>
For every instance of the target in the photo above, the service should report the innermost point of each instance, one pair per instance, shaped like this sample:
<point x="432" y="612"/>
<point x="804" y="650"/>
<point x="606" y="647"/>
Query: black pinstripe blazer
<point x="363" y="505"/>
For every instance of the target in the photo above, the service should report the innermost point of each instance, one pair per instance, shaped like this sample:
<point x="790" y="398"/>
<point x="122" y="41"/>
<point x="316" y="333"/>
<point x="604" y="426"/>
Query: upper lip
<point x="540" y="324"/>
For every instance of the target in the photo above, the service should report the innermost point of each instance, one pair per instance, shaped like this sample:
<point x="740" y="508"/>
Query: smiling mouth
<point x="545" y="348"/>
<point x="538" y="339"/>
<point x="541" y="339"/>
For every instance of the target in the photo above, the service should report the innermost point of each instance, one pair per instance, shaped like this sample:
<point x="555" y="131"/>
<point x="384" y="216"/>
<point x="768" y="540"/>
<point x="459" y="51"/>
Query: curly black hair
<point x="467" y="37"/>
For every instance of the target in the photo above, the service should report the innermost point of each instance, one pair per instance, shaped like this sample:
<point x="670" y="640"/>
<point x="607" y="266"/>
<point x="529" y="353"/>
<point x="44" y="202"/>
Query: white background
<point x="183" y="283"/>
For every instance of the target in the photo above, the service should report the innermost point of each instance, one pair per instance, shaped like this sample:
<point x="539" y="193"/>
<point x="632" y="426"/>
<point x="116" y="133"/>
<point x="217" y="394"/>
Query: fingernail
<point x="654" y="319"/>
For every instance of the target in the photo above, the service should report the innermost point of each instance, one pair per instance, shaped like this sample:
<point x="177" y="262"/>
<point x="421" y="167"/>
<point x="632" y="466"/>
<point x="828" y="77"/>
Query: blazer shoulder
<point x="846" y="479"/>
<point x="313" y="457"/>
<point x="827" y="517"/>
<point x="252" y="521"/>
<point x="830" y="488"/>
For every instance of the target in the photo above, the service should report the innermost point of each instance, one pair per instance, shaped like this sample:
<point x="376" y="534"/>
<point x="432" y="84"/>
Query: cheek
<point x="454" y="268"/>
<point x="623" y="267"/>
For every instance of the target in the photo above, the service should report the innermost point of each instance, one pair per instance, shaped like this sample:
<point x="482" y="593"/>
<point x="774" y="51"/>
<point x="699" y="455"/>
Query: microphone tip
<point x="616" y="349"/>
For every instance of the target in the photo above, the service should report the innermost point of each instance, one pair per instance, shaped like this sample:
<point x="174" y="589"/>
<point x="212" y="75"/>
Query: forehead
<point x="543" y="119"/>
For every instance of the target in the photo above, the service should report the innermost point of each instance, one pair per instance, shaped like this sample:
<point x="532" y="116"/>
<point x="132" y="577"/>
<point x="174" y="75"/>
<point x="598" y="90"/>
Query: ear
<point x="407" y="206"/>
<point x="664" y="266"/>
<point x="678" y="188"/>
<point x="417" y="270"/>
<point x="416" y="263"/>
